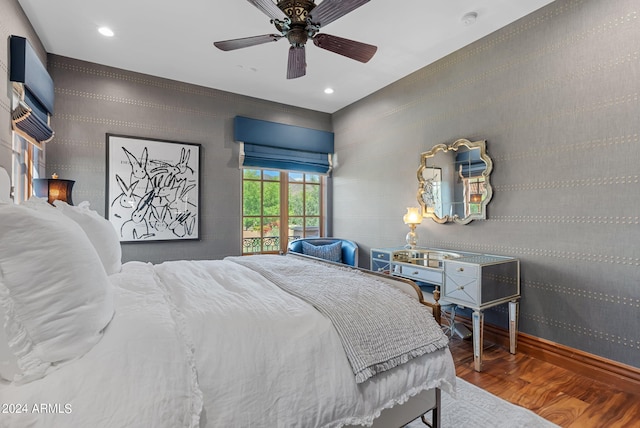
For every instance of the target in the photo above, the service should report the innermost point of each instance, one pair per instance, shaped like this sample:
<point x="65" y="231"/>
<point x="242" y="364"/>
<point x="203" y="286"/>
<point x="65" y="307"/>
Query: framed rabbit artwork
<point x="153" y="189"/>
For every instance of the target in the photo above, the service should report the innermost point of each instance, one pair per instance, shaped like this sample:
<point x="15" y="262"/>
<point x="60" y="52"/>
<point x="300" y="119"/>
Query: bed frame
<point x="426" y="401"/>
<point x="399" y="416"/>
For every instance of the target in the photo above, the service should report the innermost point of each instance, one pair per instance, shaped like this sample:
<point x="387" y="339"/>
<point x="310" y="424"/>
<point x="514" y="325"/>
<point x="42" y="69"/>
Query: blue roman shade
<point x="472" y="164"/>
<point x="30" y="118"/>
<point x="278" y="146"/>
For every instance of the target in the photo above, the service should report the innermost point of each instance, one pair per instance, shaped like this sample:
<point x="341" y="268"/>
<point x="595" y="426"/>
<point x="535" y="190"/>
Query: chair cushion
<point x="331" y="252"/>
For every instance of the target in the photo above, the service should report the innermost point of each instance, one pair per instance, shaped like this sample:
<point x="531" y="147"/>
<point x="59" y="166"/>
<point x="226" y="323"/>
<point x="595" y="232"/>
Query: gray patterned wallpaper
<point x="93" y="100"/>
<point x="556" y="97"/>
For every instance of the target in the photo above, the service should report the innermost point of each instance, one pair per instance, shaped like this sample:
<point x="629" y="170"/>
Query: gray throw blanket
<point x="380" y="326"/>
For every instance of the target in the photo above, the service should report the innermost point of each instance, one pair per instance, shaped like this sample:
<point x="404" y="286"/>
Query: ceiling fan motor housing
<point x="298" y="31"/>
<point x="297" y="10"/>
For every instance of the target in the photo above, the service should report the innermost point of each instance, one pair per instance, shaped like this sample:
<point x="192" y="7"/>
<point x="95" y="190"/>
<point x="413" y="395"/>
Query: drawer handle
<point x="415" y="273"/>
<point x="461" y="287"/>
<point x="380" y="256"/>
<point x="460" y="269"/>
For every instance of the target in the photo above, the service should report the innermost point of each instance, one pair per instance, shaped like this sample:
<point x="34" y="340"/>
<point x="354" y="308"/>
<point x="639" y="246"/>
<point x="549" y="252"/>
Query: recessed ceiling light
<point x="106" y="31"/>
<point x="328" y="91"/>
<point x="469" y="18"/>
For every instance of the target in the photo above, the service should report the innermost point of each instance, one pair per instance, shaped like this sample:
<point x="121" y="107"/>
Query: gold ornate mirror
<point x="454" y="183"/>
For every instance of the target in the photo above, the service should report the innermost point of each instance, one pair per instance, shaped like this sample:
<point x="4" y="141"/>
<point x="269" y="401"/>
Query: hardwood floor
<point x="560" y="396"/>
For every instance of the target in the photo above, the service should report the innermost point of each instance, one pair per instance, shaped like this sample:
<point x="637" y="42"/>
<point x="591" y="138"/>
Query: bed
<point x="238" y="342"/>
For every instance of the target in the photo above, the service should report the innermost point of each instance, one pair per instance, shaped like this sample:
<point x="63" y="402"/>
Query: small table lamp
<point x="53" y="189"/>
<point x="412" y="218"/>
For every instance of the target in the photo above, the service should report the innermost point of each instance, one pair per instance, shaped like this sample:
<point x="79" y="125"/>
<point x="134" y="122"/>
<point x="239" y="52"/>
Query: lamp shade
<point x="53" y="189"/>
<point x="412" y="216"/>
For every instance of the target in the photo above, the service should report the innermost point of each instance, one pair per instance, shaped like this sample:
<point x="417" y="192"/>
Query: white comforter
<point x="214" y="344"/>
<point x="139" y="375"/>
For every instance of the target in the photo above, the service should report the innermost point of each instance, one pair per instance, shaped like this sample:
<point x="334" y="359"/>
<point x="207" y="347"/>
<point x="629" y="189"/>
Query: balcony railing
<point x="265" y="244"/>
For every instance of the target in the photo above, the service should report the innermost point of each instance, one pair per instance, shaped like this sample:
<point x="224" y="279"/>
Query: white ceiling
<point x="174" y="39"/>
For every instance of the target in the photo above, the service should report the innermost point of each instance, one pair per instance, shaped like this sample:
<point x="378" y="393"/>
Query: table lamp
<point x="53" y="189"/>
<point x="412" y="218"/>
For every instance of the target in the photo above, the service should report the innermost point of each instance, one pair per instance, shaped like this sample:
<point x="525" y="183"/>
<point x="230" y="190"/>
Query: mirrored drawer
<point x="462" y="289"/>
<point x="461" y="269"/>
<point x="380" y="266"/>
<point x="416" y="273"/>
<point x="379" y="255"/>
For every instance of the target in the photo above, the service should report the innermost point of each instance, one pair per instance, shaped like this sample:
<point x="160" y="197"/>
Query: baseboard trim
<point x="613" y="373"/>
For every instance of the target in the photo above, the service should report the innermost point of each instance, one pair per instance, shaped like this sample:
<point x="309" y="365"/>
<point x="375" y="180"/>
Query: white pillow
<point x="100" y="231"/>
<point x="55" y="297"/>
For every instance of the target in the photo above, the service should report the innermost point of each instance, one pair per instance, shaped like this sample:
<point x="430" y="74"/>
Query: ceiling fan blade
<point x="269" y="8"/>
<point x="350" y="48"/>
<point x="229" y="45"/>
<point x="297" y="65"/>
<point x="330" y="10"/>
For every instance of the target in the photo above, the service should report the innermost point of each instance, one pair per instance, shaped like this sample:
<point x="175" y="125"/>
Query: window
<point x="28" y="156"/>
<point x="27" y="165"/>
<point x="278" y="207"/>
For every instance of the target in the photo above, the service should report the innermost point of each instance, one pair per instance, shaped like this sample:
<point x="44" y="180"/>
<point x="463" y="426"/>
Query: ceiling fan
<point x="299" y="21"/>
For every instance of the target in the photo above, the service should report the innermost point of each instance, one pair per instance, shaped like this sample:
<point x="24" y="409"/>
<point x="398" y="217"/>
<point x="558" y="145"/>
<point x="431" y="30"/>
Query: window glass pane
<point x="312" y="227"/>
<point x="296" y="225"/>
<point x="250" y="226"/>
<point x="312" y="178"/>
<point x="251" y="245"/>
<point x="251" y="173"/>
<point x="296" y="203"/>
<point x="271" y="175"/>
<point x="271" y="199"/>
<point x="271" y="226"/>
<point x="312" y="199"/>
<point x="251" y="198"/>
<point x="251" y="240"/>
<point x="296" y="176"/>
<point x="271" y="234"/>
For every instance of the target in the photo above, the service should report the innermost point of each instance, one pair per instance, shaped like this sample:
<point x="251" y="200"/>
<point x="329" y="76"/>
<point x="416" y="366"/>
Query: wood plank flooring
<point x="558" y="395"/>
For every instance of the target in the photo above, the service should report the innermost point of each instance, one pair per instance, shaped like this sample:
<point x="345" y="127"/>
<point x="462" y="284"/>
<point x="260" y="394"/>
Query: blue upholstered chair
<point x="321" y="247"/>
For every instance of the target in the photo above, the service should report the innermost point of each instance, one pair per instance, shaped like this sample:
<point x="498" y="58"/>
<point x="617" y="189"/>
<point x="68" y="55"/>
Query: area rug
<point x="475" y="407"/>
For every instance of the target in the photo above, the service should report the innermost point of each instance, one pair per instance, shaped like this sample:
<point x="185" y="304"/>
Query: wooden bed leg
<point x="437" y="310"/>
<point x="435" y="413"/>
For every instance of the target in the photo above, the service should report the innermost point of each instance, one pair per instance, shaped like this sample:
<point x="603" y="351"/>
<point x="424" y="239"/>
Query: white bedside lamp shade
<point x="412" y="218"/>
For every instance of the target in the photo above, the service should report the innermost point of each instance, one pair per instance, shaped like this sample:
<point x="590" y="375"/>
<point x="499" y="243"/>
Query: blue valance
<point x="471" y="162"/>
<point x="278" y="146"/>
<point x="30" y="117"/>
<point x="26" y="68"/>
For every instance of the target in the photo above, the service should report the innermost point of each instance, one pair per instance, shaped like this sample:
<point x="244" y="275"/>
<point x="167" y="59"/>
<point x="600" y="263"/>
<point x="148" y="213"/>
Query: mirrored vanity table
<point x="470" y="280"/>
<point x="454" y="186"/>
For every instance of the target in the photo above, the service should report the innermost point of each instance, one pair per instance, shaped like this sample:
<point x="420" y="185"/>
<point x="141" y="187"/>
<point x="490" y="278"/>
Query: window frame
<point x="280" y="242"/>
